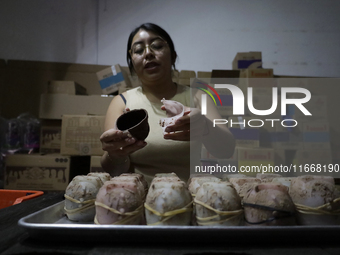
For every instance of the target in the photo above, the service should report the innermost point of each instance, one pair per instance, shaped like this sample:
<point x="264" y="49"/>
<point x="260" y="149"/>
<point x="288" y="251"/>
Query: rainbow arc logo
<point x="208" y="92"/>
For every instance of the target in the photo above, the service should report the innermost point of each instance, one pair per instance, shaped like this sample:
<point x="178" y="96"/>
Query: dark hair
<point x="157" y="30"/>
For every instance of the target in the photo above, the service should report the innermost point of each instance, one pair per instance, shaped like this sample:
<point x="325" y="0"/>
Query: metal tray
<point x="51" y="222"/>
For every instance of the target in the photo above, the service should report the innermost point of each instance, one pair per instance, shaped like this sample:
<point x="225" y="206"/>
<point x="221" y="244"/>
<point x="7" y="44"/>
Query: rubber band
<point x="304" y="209"/>
<point x="168" y="215"/>
<point x="208" y="220"/>
<point x="77" y="210"/>
<point x="216" y="221"/>
<point x="78" y="201"/>
<point x="87" y="205"/>
<point x="287" y="214"/>
<point x="267" y="208"/>
<point x="130" y="215"/>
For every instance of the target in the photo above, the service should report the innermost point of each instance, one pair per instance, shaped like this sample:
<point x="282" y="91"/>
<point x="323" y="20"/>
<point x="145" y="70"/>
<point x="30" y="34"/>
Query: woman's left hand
<point x="190" y="126"/>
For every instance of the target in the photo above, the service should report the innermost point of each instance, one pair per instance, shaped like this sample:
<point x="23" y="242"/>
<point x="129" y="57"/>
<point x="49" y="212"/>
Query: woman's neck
<point x="159" y="90"/>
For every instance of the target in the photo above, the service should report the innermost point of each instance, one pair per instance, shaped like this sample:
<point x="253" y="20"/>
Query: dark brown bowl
<point x="136" y="122"/>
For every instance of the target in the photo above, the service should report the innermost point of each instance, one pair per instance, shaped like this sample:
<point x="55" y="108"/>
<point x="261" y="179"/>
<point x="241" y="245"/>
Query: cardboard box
<point x="50" y="140"/>
<point x="54" y="106"/>
<point x="256" y="78"/>
<point x="251" y="59"/>
<point x="187" y="74"/>
<point x="205" y="75"/>
<point x="37" y="172"/>
<point x="184" y="81"/>
<point x="308" y="157"/>
<point x="27" y="80"/>
<point x="250" y="159"/>
<point x="225" y="77"/>
<point x="317" y="106"/>
<point x="111" y="78"/>
<point x="80" y="135"/>
<point x="175" y="76"/>
<point x="65" y="87"/>
<point x="95" y="164"/>
<point x="133" y="78"/>
<point x="316" y="135"/>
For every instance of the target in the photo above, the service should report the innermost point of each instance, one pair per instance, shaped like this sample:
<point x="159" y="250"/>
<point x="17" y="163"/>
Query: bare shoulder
<point x="116" y="108"/>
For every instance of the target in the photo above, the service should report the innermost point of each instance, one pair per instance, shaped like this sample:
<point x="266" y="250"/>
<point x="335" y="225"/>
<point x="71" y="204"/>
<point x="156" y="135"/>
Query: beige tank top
<point x="161" y="155"/>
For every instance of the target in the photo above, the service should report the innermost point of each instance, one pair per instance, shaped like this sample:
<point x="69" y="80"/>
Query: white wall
<point x="295" y="37"/>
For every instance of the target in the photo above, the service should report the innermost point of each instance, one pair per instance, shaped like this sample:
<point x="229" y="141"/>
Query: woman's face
<point x="151" y="56"/>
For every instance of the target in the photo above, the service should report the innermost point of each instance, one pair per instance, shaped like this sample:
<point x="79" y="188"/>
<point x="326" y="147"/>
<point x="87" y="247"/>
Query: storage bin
<point x="13" y="197"/>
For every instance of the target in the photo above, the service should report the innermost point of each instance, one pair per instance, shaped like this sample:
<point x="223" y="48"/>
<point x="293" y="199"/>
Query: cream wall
<point x="296" y="37"/>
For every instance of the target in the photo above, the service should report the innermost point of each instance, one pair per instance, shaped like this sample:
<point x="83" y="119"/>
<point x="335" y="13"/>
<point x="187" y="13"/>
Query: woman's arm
<point x="117" y="145"/>
<point x="218" y="140"/>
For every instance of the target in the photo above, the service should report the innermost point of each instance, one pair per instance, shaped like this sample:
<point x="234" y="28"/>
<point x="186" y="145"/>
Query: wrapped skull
<point x="218" y="204"/>
<point x="243" y="184"/>
<point x="140" y="179"/>
<point x="267" y="177"/>
<point x="168" y="203"/>
<point x="227" y="177"/>
<point x="284" y="180"/>
<point x="313" y="197"/>
<point x="269" y="204"/>
<point x="120" y="202"/>
<point x="169" y="177"/>
<point x="136" y="180"/>
<point x="80" y="196"/>
<point x="103" y="176"/>
<point x="195" y="182"/>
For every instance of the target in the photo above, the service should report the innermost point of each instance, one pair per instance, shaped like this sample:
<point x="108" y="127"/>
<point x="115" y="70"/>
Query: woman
<point x="151" y="55"/>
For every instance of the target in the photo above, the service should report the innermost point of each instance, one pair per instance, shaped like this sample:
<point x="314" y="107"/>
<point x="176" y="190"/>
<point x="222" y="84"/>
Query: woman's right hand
<point x="120" y="144"/>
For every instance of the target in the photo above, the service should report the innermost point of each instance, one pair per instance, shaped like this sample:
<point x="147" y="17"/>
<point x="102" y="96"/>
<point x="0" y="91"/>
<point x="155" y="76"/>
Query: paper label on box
<point x="113" y="70"/>
<point x="111" y="80"/>
<point x="37" y="172"/>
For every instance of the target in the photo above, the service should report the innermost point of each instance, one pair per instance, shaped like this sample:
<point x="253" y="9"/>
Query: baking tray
<point x="51" y="222"/>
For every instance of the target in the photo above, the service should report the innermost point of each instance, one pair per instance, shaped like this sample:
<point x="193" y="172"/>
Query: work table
<point x="15" y="239"/>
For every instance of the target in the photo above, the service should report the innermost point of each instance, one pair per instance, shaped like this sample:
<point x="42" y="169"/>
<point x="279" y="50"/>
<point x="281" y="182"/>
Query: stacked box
<point x="175" y="76"/>
<point x="54" y="106"/>
<point x="95" y="164"/>
<point x="185" y="76"/>
<point x="205" y="75"/>
<point x="111" y="78"/>
<point x="65" y="87"/>
<point x="37" y="172"/>
<point x="256" y="78"/>
<point x="317" y="106"/>
<point x="50" y="139"/>
<point x="80" y="135"/>
<point x="247" y="158"/>
<point x="316" y="135"/>
<point x="308" y="157"/>
<point x="132" y="78"/>
<point x="243" y="60"/>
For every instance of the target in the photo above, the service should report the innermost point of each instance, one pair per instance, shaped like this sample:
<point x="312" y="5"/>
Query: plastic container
<point x="13" y="197"/>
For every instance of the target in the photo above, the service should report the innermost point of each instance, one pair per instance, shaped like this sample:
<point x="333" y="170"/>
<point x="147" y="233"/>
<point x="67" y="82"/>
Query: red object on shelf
<point x="13" y="197"/>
